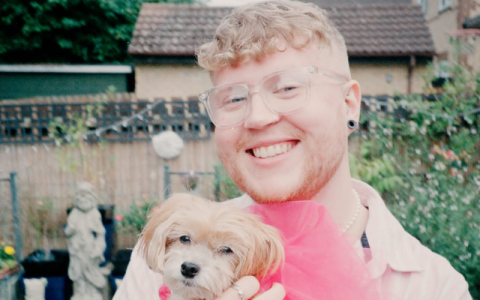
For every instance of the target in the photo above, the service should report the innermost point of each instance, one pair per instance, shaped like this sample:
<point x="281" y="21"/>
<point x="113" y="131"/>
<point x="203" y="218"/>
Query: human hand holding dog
<point x="250" y="287"/>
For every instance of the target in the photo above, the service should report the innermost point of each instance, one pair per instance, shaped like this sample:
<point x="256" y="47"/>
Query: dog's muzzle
<point x="189" y="270"/>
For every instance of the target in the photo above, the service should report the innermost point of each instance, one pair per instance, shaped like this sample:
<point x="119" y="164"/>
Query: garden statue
<point x="86" y="245"/>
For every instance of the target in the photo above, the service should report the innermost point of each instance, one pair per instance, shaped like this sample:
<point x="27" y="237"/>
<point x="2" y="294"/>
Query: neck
<point x="340" y="200"/>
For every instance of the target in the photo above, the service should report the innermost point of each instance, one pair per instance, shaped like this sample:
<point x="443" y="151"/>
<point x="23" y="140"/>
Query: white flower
<point x="440" y="166"/>
<point x="452" y="230"/>
<point x="418" y="151"/>
<point x="473" y="131"/>
<point x="453" y="207"/>
<point x="465" y="243"/>
<point x="422" y="229"/>
<point x="423" y="130"/>
<point x="460" y="178"/>
<point x="431" y="156"/>
<point x="426" y="122"/>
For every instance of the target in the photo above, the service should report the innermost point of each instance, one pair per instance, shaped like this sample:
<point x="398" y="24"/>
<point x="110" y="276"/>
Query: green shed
<point x="26" y="81"/>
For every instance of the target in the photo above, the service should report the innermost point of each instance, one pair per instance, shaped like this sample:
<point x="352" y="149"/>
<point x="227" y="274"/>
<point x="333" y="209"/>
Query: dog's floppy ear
<point x="267" y="252"/>
<point x="154" y="237"/>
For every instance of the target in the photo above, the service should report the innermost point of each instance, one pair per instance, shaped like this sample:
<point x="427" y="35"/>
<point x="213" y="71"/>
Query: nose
<point x="189" y="270"/>
<point x="259" y="115"/>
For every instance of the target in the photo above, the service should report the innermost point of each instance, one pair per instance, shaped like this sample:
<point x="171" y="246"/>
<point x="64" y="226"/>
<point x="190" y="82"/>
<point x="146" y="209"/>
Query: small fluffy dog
<point x="202" y="247"/>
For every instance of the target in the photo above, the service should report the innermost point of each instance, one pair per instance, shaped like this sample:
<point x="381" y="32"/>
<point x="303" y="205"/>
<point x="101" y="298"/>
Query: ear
<point x="154" y="237"/>
<point x="267" y="252"/>
<point x="353" y="101"/>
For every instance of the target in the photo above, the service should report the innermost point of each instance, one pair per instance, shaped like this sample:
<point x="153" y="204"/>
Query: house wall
<point x="373" y="78"/>
<point x="441" y="22"/>
<point x="173" y="81"/>
<point x="167" y="81"/>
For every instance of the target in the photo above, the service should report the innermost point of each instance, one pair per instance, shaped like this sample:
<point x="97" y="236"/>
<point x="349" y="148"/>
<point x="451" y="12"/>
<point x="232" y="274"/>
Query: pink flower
<point x="155" y="208"/>
<point x="144" y="196"/>
<point x="118" y="218"/>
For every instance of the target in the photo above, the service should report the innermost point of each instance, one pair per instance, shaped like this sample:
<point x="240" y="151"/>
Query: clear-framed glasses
<point x="282" y="92"/>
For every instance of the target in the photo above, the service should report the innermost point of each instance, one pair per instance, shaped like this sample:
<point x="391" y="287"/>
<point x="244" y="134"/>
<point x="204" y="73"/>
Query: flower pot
<point x="5" y="272"/>
<point x="8" y="284"/>
<point x="54" y="270"/>
<point x="120" y="262"/>
<point x="35" y="264"/>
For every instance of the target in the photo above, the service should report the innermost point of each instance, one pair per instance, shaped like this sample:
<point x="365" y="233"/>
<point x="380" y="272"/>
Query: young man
<point x="284" y="104"/>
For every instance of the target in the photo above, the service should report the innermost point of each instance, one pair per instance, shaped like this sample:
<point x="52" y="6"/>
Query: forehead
<point x="324" y="57"/>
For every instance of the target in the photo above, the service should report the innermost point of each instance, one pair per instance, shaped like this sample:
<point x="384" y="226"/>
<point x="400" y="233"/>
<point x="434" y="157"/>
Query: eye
<point x="225" y="250"/>
<point x="185" y="239"/>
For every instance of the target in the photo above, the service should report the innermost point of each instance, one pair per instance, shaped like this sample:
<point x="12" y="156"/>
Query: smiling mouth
<point x="272" y="150"/>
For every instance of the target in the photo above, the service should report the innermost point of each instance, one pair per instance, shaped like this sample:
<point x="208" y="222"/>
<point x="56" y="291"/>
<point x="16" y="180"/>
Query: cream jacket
<point x="400" y="265"/>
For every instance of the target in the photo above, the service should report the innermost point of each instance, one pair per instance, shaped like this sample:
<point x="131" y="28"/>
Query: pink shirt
<point x="400" y="265"/>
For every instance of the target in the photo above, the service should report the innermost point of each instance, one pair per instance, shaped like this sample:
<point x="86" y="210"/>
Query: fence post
<point x="16" y="218"/>
<point x="167" y="181"/>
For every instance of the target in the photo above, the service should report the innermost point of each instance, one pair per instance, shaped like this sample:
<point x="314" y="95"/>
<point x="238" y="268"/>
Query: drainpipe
<point x="411" y="66"/>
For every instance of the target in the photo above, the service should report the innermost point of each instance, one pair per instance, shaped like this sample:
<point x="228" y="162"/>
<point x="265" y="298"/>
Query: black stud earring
<point x="352" y="124"/>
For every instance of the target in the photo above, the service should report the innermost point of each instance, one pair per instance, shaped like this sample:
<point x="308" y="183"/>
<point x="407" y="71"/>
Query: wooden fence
<point x="123" y="172"/>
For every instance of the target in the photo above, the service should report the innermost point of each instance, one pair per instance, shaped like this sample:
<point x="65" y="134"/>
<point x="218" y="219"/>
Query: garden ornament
<point x="35" y="288"/>
<point x="86" y="245"/>
<point x="167" y="144"/>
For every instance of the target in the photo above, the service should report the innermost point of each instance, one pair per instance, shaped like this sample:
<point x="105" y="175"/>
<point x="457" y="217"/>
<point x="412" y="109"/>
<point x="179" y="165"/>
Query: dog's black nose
<point x="189" y="269"/>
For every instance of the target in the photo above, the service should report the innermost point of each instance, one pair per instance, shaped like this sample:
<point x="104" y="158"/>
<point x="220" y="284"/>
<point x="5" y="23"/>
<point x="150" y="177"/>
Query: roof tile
<point x="369" y="30"/>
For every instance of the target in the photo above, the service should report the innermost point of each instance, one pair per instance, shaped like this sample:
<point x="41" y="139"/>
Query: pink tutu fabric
<point x="319" y="262"/>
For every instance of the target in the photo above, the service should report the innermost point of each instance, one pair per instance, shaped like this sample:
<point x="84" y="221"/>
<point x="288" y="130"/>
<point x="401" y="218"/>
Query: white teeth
<point x="263" y="152"/>
<point x="278" y="149"/>
<point x="272" y="150"/>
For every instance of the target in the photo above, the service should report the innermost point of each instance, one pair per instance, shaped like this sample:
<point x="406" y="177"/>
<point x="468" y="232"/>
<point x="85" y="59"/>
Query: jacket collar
<point x="389" y="243"/>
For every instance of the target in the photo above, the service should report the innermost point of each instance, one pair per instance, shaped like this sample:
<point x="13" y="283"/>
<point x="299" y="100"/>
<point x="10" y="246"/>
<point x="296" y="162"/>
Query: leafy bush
<point x="433" y="188"/>
<point x="225" y="187"/>
<point x="134" y="219"/>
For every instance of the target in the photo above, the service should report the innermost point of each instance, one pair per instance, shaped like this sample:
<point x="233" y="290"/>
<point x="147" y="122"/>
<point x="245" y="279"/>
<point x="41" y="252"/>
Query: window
<point x="444" y="5"/>
<point x="423" y="4"/>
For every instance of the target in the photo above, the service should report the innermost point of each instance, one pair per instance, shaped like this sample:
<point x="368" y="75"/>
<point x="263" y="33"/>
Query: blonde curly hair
<point x="254" y="30"/>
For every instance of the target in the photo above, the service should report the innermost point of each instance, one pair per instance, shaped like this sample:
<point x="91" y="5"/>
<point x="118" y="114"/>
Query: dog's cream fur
<point x="213" y="228"/>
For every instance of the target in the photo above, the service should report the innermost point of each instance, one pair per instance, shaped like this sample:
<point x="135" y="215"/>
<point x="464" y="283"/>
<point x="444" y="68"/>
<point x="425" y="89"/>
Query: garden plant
<point x="424" y="160"/>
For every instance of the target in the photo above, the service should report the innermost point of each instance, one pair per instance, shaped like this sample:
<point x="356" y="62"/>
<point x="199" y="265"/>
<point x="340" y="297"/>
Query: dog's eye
<point x="225" y="250"/>
<point x="185" y="239"/>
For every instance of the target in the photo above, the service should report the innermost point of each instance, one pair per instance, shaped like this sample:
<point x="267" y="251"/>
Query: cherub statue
<point x="86" y="244"/>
